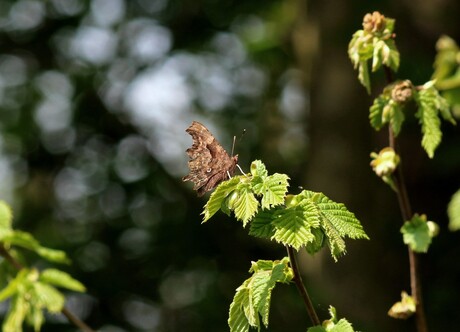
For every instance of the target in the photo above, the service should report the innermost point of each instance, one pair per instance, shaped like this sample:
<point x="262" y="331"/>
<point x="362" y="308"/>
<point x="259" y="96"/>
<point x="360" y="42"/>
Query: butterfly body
<point x="209" y="163"/>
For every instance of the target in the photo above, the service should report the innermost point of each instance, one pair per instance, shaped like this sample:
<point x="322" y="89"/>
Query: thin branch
<point x="70" y="316"/>
<point x="301" y="287"/>
<point x="406" y="213"/>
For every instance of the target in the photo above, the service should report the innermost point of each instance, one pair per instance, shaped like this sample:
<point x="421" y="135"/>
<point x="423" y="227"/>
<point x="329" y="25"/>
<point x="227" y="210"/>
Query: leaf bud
<point x="402" y="92"/>
<point x="385" y="162"/>
<point x="374" y="22"/>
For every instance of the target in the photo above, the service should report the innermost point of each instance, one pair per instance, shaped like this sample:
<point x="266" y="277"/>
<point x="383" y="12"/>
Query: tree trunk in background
<point x="338" y="165"/>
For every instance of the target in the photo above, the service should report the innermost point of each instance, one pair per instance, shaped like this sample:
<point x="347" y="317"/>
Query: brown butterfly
<point x="209" y="163"/>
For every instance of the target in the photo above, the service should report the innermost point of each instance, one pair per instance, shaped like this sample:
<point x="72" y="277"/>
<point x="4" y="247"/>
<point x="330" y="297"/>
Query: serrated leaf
<point x="343" y="220"/>
<point x="6" y="216"/>
<point x="273" y="190"/>
<point x="246" y="205"/>
<point x="430" y="106"/>
<point x="252" y="298"/>
<point x="216" y="199"/>
<point x="378" y="57"/>
<point x="293" y="224"/>
<point x="46" y="296"/>
<point x="416" y="234"/>
<point x="391" y="56"/>
<point x="237" y="320"/>
<point x="431" y="128"/>
<point x="61" y="279"/>
<point x="453" y="211"/>
<point x="376" y="112"/>
<point x="262" y="224"/>
<point x="336" y="222"/>
<point x="332" y="325"/>
<point x="16" y="315"/>
<point x="363" y="76"/>
<point x="258" y="169"/>
<point x="397" y="118"/>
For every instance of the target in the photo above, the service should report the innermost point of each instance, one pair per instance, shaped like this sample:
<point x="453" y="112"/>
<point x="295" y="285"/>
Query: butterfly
<point x="209" y="163"/>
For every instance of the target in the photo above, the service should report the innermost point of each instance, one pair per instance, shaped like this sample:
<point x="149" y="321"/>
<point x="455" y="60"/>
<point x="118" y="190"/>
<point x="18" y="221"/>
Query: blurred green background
<point x="95" y="97"/>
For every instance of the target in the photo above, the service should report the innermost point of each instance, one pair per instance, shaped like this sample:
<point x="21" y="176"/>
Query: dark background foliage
<point x="94" y="100"/>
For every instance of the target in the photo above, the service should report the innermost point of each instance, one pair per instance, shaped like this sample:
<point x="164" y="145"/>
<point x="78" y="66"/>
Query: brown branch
<point x="301" y="287"/>
<point x="70" y="316"/>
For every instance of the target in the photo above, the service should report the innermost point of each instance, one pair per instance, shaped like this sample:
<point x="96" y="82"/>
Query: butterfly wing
<point x="209" y="163"/>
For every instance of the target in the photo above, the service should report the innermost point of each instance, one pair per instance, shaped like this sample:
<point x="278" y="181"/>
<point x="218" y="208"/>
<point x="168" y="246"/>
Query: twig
<point x="406" y="213"/>
<point x="70" y="316"/>
<point x="301" y="287"/>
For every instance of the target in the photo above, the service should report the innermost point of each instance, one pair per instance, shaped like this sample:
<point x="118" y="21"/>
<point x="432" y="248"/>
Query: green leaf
<point x="61" y="279"/>
<point x="27" y="241"/>
<point x="453" y="211"/>
<point x="416" y="233"/>
<point x="46" y="296"/>
<point x="246" y="205"/>
<point x="216" y="199"/>
<point x="294" y="223"/>
<point x="376" y="112"/>
<point x="262" y="224"/>
<point x="391" y="55"/>
<point x="6" y="216"/>
<point x="16" y="315"/>
<point x="238" y="320"/>
<point x="252" y="298"/>
<point x="258" y="169"/>
<point x="332" y="325"/>
<point x="336" y="222"/>
<point x="35" y="317"/>
<point x="273" y="190"/>
<point x="363" y="76"/>
<point x="430" y="105"/>
<point x="53" y="255"/>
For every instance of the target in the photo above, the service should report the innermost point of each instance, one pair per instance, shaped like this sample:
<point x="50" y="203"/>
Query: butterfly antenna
<point x="234" y="140"/>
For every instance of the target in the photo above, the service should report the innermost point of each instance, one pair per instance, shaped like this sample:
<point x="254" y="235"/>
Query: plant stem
<point x="406" y="213"/>
<point x="70" y="316"/>
<point x="301" y="287"/>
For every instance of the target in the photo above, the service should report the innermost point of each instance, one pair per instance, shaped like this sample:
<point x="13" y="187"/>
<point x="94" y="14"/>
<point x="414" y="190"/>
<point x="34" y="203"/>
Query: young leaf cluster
<point x="244" y="194"/>
<point x="251" y="303"/>
<point x="308" y="219"/>
<point x="30" y="291"/>
<point x="375" y="44"/>
<point x="431" y="107"/>
<point x="333" y="324"/>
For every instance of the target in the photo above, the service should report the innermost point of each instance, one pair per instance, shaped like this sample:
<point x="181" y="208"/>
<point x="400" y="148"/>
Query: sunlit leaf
<point x="416" y="233"/>
<point x="6" y="216"/>
<point x="252" y="299"/>
<point x="61" y="279"/>
<point x="216" y="199"/>
<point x="453" y="211"/>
